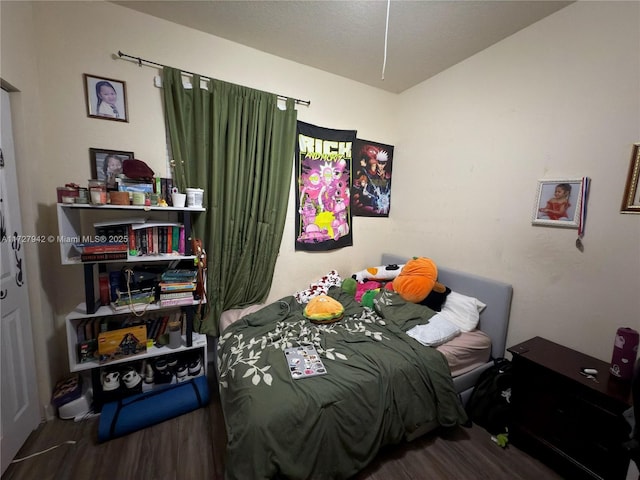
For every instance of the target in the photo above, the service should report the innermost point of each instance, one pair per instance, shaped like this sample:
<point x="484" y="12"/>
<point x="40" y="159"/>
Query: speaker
<point x="625" y="349"/>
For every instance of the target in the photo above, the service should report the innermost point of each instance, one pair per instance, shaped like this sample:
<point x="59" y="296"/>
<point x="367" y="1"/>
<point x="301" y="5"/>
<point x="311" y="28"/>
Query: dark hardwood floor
<point x="192" y="446"/>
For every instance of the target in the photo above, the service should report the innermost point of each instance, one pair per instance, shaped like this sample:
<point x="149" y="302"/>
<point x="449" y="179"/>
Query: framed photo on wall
<point x="558" y="203"/>
<point x="631" y="198"/>
<point x="107" y="164"/>
<point x="106" y="98"/>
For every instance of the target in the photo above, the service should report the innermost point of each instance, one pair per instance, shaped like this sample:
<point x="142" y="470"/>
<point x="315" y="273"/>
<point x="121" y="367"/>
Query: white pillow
<point x="438" y="331"/>
<point x="464" y="310"/>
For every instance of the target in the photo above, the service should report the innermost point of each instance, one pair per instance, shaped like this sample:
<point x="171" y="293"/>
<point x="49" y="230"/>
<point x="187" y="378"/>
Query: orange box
<point x="122" y="343"/>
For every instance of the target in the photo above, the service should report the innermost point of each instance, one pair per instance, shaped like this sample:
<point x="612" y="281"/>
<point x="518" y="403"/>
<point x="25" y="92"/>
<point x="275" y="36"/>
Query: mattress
<point x="467" y="351"/>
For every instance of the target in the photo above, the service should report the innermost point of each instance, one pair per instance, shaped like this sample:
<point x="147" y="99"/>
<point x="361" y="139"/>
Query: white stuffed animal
<point x="378" y="274"/>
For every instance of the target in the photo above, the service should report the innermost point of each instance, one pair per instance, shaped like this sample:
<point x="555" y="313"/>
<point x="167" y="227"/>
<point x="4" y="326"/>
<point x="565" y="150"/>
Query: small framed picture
<point x="558" y="203"/>
<point x="106" y="98"/>
<point x="107" y="164"/>
<point x="631" y="198"/>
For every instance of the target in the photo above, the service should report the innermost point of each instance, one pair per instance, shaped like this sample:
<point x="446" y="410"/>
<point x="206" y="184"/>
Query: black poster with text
<point x="323" y="174"/>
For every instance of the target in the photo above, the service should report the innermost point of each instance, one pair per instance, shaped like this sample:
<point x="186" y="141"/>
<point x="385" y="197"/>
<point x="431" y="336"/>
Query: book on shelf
<point x="179" y="275"/>
<point x="133" y="299"/>
<point x="100" y="247"/>
<point x="175" y="239"/>
<point x="177" y="287"/>
<point x="162" y="328"/>
<point x="154" y="223"/>
<point x="131" y="239"/>
<point x="152" y="328"/>
<point x="174" y="302"/>
<point x="143" y="236"/>
<point x="121" y="221"/>
<point x="183" y="294"/>
<point x="156" y="238"/>
<point x="163" y="188"/>
<point x="128" y="307"/>
<point x="101" y="257"/>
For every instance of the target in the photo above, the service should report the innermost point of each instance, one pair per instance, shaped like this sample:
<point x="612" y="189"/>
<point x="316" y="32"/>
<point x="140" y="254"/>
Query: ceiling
<point x="347" y="38"/>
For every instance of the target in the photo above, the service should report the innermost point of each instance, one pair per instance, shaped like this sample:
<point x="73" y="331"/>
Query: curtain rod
<point x="149" y="62"/>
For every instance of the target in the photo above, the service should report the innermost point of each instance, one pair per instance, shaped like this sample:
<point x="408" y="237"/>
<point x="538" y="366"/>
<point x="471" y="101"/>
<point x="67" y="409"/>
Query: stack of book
<point x="135" y="299"/>
<point x="177" y="287"/>
<point x="101" y="251"/>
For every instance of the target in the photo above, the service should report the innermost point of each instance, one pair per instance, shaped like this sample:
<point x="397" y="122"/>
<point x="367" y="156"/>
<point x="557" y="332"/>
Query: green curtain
<point x="236" y="144"/>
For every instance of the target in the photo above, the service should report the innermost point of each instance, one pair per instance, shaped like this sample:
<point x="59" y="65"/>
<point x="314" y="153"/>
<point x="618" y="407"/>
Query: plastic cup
<point x="179" y="199"/>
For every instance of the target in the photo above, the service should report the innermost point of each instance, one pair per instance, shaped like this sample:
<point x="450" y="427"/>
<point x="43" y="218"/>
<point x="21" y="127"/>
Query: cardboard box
<point x="88" y="351"/>
<point x="117" y="344"/>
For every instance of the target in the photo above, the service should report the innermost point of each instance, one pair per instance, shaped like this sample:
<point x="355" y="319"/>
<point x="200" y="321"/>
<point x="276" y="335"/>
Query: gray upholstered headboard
<point x="494" y="319"/>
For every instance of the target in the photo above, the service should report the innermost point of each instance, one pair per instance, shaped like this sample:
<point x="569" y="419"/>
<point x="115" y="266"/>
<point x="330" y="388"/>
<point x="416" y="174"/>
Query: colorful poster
<point x="323" y="173"/>
<point x="371" y="186"/>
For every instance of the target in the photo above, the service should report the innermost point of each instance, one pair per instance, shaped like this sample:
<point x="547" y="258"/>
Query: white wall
<point x="558" y="99"/>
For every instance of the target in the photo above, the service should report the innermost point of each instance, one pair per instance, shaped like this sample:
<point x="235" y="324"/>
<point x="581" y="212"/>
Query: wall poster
<point x="323" y="174"/>
<point x="371" y="185"/>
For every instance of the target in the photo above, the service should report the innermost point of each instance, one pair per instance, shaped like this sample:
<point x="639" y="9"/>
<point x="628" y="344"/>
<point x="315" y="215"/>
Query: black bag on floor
<point x="489" y="405"/>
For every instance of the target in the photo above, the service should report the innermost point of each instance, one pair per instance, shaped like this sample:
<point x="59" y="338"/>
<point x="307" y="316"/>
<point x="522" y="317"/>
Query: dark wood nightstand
<point x="569" y="421"/>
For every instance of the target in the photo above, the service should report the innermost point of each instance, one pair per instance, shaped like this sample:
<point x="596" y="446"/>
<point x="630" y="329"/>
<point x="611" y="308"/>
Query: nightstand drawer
<point x="559" y="416"/>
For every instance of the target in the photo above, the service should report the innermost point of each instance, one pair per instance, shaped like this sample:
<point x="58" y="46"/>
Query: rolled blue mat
<point x="139" y="411"/>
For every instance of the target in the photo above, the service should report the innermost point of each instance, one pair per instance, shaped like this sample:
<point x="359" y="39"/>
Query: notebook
<point x="304" y="361"/>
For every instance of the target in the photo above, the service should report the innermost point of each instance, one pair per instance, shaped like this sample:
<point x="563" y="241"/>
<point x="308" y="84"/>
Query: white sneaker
<point x="111" y="380"/>
<point x="131" y="378"/>
<point x="194" y="367"/>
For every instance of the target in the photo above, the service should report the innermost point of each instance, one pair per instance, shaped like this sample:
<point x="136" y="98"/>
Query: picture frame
<point x="371" y="179"/>
<point x="101" y="170"/>
<point x="631" y="197"/>
<point x="560" y="209"/>
<point x="106" y="98"/>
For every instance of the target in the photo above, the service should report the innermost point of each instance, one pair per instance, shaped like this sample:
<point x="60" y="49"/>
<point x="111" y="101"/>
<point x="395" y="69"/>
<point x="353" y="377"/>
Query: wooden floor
<point x="192" y="446"/>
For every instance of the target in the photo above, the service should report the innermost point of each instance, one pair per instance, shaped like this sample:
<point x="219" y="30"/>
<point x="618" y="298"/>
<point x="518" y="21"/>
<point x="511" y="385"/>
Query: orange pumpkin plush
<point x="416" y="280"/>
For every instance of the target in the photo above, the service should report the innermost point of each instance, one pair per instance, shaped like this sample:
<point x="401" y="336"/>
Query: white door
<point x="19" y="408"/>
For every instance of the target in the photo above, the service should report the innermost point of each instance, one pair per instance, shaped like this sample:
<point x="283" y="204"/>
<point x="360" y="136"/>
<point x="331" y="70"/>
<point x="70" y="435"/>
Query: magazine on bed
<point x="304" y="362"/>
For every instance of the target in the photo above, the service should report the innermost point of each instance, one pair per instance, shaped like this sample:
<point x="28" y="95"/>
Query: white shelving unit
<point x="76" y="225"/>
<point x="72" y="320"/>
<point x="73" y="226"/>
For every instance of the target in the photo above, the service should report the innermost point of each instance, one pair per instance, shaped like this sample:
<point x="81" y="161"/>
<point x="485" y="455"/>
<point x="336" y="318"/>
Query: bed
<point x="380" y="387"/>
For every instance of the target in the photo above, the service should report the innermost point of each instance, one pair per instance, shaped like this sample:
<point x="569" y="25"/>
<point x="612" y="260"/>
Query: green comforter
<point x="380" y="387"/>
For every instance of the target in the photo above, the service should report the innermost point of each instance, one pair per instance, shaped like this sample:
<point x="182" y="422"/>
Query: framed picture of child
<point x="631" y="198"/>
<point x="106" y="98"/>
<point x="558" y="203"/>
<point x="107" y="164"/>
